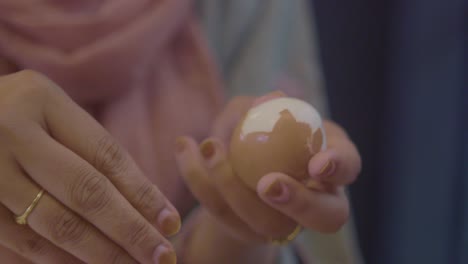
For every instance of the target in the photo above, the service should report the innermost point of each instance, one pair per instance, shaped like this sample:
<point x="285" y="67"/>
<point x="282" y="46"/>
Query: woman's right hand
<point x="98" y="207"/>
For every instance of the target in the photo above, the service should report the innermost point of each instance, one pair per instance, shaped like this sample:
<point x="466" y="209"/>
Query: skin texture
<point x="98" y="207"/>
<point x="47" y="140"/>
<point x="247" y="218"/>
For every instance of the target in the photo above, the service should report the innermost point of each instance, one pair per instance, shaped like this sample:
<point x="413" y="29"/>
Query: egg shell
<point x="280" y="135"/>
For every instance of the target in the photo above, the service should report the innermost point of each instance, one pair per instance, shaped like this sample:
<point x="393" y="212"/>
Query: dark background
<point x="396" y="72"/>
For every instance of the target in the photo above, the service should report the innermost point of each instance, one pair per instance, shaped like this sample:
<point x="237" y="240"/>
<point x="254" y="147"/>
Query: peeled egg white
<point x="280" y="135"/>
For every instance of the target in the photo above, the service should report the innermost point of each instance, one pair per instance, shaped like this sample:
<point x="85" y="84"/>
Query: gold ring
<point x="289" y="238"/>
<point x="23" y="219"/>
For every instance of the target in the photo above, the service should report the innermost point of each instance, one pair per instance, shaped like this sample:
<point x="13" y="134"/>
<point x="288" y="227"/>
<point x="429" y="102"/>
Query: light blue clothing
<point x="255" y="42"/>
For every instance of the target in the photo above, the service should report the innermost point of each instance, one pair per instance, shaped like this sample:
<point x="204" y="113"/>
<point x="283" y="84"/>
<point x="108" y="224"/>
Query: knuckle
<point x="23" y="96"/>
<point x="139" y="234"/>
<point x="39" y="82"/>
<point x="148" y="201"/>
<point x="109" y="159"/>
<point x="16" y="91"/>
<point x="29" y="74"/>
<point x="33" y="83"/>
<point x="90" y="192"/>
<point x="35" y="245"/>
<point x="67" y="228"/>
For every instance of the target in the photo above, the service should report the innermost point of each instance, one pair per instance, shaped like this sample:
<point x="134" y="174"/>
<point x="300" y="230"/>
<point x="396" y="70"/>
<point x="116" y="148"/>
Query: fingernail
<point x="207" y="149"/>
<point x="169" y="222"/>
<point x="327" y="169"/>
<point x="164" y="255"/>
<point x="277" y="192"/>
<point x="180" y="145"/>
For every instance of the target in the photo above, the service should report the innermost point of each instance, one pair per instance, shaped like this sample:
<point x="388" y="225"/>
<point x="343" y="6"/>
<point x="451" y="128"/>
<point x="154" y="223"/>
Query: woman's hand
<point x="280" y="202"/>
<point x="97" y="207"/>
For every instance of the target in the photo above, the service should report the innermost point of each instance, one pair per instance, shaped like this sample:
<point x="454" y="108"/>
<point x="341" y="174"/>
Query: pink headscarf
<point x="140" y="67"/>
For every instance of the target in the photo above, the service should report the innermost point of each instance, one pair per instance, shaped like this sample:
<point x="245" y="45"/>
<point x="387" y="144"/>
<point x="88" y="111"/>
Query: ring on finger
<point x="289" y="238"/>
<point x="23" y="218"/>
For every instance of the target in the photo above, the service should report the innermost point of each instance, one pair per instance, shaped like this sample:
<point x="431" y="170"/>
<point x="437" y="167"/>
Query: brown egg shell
<point x="287" y="149"/>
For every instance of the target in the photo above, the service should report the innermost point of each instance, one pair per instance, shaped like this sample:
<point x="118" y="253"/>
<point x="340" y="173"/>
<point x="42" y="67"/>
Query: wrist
<point x="210" y="242"/>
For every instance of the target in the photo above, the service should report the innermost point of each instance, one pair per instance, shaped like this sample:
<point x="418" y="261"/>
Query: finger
<point x="12" y="257"/>
<point x="80" y="187"/>
<point x="324" y="212"/>
<point x="78" y="131"/>
<point x="245" y="203"/>
<point x="56" y="223"/>
<point x="340" y="164"/>
<point x="268" y="97"/>
<point x="28" y="244"/>
<point x="195" y="176"/>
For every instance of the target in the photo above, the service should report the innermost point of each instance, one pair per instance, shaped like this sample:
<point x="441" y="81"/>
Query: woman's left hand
<point x="280" y="203"/>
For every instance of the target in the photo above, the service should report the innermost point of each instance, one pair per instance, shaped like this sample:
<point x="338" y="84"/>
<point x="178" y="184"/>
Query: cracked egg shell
<point x="280" y="135"/>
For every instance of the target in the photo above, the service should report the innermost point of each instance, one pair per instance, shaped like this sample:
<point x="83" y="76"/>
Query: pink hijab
<point x="140" y="67"/>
